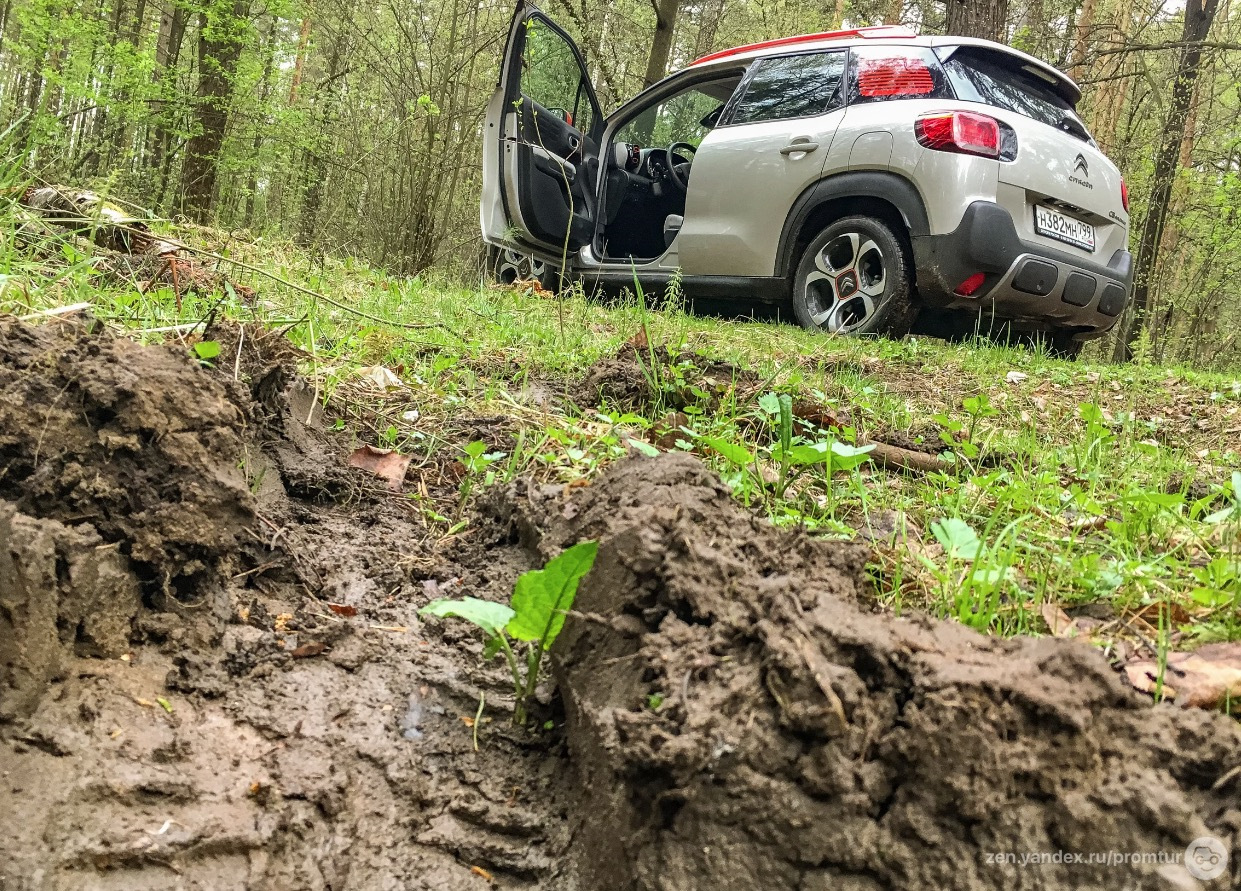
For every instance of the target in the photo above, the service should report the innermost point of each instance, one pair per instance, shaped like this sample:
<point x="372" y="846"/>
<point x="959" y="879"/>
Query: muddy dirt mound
<point x="283" y="721"/>
<point x="638" y="376"/>
<point x="143" y="445"/>
<point x="737" y="722"/>
<point x="118" y="479"/>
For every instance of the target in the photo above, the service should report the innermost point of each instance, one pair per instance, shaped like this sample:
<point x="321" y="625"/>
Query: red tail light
<point x="1124" y="195"/>
<point x="959" y="131"/>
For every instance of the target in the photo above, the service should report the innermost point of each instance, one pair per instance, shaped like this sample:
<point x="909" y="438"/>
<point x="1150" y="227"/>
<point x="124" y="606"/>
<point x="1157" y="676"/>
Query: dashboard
<point x="650" y="164"/>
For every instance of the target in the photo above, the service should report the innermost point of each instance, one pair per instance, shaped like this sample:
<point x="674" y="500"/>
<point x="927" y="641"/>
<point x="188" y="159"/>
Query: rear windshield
<point x="879" y="73"/>
<point x="998" y="80"/>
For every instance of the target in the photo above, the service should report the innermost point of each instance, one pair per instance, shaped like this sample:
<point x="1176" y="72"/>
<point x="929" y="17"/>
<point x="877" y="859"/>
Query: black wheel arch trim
<point x="886" y="186"/>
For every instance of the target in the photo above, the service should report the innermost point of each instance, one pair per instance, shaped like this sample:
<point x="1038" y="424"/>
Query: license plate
<point x="1062" y="227"/>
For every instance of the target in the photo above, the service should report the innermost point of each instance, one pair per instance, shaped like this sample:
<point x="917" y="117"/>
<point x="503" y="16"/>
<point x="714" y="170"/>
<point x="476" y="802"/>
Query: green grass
<point x="1063" y="483"/>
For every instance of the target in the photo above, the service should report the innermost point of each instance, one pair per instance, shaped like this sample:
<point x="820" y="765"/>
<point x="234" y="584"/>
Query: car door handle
<point x="796" y="146"/>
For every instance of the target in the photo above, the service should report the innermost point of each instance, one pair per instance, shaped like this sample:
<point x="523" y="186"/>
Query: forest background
<point x="354" y="128"/>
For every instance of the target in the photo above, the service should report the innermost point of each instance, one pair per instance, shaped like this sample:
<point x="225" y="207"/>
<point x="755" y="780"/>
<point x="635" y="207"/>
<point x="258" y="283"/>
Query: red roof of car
<point x="899" y="31"/>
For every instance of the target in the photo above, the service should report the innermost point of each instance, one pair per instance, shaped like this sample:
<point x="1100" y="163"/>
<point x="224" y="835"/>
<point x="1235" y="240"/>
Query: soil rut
<point x="188" y="699"/>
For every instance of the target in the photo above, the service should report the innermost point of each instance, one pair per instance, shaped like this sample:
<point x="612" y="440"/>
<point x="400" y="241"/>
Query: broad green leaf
<point x="958" y="539"/>
<point x="769" y="403"/>
<point x="1221" y="516"/>
<point x="541" y="597"/>
<point x="847" y="457"/>
<point x="737" y="454"/>
<point x="207" y="349"/>
<point x="1158" y="499"/>
<point x="644" y="447"/>
<point x="988" y="576"/>
<point x="1212" y="597"/>
<point x="1090" y="412"/>
<point x="814" y="453"/>
<point x="489" y="616"/>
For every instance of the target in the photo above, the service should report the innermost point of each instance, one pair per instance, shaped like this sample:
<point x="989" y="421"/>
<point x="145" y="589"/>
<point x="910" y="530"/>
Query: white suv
<point x="864" y="176"/>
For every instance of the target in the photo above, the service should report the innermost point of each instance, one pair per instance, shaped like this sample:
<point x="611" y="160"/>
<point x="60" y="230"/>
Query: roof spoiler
<point x="877" y="31"/>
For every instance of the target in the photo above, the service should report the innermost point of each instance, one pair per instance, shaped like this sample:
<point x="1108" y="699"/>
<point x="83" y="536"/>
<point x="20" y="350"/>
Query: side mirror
<point x="563" y="114"/>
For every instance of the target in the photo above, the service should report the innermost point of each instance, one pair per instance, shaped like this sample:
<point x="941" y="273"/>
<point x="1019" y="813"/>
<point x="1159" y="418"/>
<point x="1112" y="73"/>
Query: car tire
<point x="506" y="266"/>
<point x="856" y="278"/>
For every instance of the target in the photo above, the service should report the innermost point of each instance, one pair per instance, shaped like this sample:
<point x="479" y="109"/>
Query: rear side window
<point x="999" y="80"/>
<point x="791" y="87"/>
<point x="878" y="73"/>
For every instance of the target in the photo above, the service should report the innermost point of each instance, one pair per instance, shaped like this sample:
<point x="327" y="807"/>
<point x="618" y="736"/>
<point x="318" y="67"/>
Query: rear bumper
<point x="1025" y="282"/>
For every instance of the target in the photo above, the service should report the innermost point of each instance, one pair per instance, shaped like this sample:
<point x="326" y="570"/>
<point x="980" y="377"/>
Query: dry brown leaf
<point x="479" y="871"/>
<point x="387" y="465"/>
<point x="533" y="288"/>
<point x="306" y="650"/>
<point x="380" y="377"/>
<point x="1206" y="678"/>
<point x="343" y="609"/>
<point x="1177" y="614"/>
<point x="821" y="416"/>
<point x="1089" y="524"/>
<point x="639" y="341"/>
<point x="666" y="433"/>
<point x="1059" y="622"/>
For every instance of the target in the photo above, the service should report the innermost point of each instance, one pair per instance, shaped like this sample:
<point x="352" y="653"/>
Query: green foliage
<point x="487" y="615"/>
<point x="206" y="350"/>
<point x="541" y="600"/>
<point x="542" y="597"/>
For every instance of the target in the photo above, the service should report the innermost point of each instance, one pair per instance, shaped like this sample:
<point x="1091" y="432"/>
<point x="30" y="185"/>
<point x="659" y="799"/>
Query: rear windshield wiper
<point x="1070" y="124"/>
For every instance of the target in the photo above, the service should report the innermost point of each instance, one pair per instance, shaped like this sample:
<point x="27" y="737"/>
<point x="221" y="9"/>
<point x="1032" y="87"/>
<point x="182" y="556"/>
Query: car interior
<point x="648" y="165"/>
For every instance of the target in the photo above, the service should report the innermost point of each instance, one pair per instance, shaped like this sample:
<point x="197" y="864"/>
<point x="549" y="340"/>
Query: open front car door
<point x="541" y="153"/>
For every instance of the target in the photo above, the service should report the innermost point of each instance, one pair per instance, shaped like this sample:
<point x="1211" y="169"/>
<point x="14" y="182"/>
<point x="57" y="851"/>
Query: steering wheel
<point x="678" y="178"/>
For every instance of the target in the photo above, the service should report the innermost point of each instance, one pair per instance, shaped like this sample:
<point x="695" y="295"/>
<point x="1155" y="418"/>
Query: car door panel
<point x="549" y="188"/>
<point x="541" y="130"/>
<point x="747" y="175"/>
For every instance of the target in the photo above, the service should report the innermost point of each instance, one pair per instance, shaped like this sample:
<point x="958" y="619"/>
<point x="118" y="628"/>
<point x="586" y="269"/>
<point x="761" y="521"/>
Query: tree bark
<point x="316" y="165"/>
<point x="221" y="33"/>
<point x="661" y="45"/>
<point x="1199" y="14"/>
<point x="299" y="62"/>
<point x="977" y="18"/>
<point x="1081" y="40"/>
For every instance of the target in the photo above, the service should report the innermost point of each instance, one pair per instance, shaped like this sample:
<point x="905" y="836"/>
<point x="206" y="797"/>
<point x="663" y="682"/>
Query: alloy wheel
<point x="847" y="283"/>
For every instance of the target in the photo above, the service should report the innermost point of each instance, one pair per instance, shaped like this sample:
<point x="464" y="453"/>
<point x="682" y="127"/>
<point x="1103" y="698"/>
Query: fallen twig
<point x="887" y="455"/>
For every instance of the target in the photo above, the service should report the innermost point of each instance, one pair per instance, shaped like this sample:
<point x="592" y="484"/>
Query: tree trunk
<point x="221" y="33"/>
<point x="5" y="7"/>
<point x="316" y="167"/>
<point x="167" y="52"/>
<point x="1081" y="41"/>
<point x="978" y="18"/>
<point x="1199" y="15"/>
<point x="299" y="62"/>
<point x="250" y="199"/>
<point x="661" y="45"/>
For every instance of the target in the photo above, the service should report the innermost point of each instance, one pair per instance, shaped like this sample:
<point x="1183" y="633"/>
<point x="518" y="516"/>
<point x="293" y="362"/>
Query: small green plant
<point x="206" y="351"/>
<point x="535" y="614"/>
<point x="975" y="578"/>
<point x="477" y="463"/>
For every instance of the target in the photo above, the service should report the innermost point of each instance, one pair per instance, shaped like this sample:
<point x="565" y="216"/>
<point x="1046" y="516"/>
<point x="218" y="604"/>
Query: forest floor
<point x="799" y="662"/>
